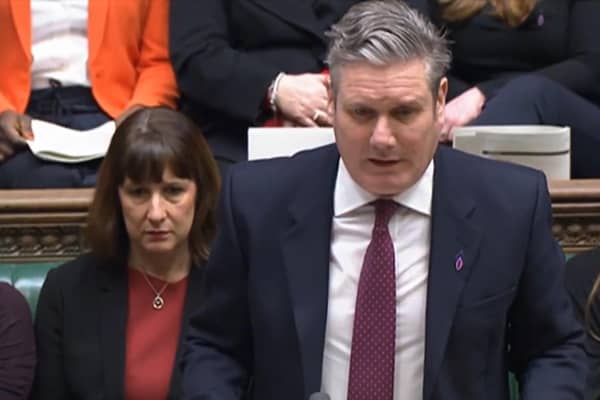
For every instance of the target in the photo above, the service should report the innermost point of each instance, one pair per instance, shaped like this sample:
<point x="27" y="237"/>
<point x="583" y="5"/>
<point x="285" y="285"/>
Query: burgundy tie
<point x="374" y="334"/>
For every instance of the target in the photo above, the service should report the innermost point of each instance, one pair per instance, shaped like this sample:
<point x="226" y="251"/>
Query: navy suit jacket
<point x="261" y="327"/>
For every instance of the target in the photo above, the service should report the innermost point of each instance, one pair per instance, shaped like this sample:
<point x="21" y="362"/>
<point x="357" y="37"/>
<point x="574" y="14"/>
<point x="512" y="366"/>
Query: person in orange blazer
<point x="128" y="67"/>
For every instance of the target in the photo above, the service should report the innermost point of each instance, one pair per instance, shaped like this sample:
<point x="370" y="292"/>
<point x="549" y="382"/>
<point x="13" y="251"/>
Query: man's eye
<point x="404" y="112"/>
<point x="361" y="112"/>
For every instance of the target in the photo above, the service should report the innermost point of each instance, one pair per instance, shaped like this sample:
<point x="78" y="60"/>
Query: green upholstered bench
<point x="513" y="387"/>
<point x="27" y="278"/>
<point x="39" y="229"/>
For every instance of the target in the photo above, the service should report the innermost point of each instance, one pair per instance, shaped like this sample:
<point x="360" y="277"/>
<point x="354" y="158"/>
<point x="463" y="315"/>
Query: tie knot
<point x="384" y="209"/>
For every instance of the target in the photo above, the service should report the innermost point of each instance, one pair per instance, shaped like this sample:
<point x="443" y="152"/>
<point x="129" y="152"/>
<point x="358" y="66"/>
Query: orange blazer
<point x="128" y="54"/>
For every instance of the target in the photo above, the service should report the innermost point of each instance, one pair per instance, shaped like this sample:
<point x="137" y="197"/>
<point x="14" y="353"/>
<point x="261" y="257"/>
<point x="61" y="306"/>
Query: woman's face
<point x="158" y="216"/>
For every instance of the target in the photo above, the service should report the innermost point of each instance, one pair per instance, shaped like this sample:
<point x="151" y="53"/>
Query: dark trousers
<point x="73" y="107"/>
<point x="536" y="100"/>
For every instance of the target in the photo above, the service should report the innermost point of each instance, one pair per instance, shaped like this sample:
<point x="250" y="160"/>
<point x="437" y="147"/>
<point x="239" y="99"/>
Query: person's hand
<point x="461" y="110"/>
<point x="303" y="99"/>
<point x="123" y="116"/>
<point x="15" y="129"/>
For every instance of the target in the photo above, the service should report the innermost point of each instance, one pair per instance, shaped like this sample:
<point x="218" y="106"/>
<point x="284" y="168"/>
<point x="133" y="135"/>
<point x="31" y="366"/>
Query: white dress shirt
<point x="410" y="229"/>
<point x="59" y="42"/>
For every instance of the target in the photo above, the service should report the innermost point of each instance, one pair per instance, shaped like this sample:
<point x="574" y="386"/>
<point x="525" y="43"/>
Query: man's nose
<point x="382" y="135"/>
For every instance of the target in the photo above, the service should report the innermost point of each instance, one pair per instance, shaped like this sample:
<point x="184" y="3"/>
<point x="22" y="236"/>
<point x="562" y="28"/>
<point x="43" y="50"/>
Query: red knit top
<point x="152" y="336"/>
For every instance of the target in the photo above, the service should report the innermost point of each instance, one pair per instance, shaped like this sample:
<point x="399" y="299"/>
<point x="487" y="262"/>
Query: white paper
<point x="285" y="141"/>
<point x="56" y="143"/>
<point x="544" y="147"/>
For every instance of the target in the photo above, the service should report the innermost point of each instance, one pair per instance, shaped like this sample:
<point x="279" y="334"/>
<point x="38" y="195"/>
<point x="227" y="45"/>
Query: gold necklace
<point x="158" y="302"/>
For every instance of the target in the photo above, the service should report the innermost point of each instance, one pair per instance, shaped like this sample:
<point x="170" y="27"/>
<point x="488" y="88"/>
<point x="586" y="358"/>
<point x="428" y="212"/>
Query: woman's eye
<point x="173" y="190"/>
<point x="136" y="191"/>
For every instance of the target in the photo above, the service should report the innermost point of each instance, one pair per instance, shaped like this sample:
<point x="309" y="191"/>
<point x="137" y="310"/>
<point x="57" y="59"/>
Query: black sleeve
<point x="580" y="72"/>
<point x="49" y="375"/>
<point x="17" y="345"/>
<point x="209" y="70"/>
<point x="581" y="274"/>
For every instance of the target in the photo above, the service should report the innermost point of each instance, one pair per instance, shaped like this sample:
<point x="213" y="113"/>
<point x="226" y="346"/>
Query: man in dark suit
<point x="384" y="267"/>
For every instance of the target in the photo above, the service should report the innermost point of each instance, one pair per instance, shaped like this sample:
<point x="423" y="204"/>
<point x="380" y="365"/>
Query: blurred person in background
<point x="77" y="64"/>
<point x="525" y="62"/>
<point x="246" y="63"/>
<point x="17" y="345"/>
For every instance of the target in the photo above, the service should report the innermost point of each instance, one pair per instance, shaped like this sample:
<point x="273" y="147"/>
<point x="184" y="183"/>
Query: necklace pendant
<point x="158" y="302"/>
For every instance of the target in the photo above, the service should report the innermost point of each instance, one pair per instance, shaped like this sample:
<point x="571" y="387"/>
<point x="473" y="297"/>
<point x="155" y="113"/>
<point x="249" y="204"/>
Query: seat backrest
<point x="544" y="147"/>
<point x="40" y="229"/>
<point x="27" y="278"/>
<point x="285" y="141"/>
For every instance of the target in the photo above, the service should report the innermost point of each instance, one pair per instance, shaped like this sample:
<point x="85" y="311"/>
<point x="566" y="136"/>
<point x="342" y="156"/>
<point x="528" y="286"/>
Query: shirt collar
<point x="348" y="195"/>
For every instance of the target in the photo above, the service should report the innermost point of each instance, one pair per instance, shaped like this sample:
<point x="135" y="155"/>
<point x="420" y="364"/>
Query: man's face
<point x="387" y="123"/>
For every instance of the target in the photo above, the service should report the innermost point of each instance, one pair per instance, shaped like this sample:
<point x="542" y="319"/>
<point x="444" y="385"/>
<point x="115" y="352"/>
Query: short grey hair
<point x="382" y="32"/>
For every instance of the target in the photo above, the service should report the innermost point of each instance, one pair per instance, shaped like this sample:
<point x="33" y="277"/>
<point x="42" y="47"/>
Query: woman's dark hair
<point x="143" y="146"/>
<point x="588" y="309"/>
<point x="512" y="12"/>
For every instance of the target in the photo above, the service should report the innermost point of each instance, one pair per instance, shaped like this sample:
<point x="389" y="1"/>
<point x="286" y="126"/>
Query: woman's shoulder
<point x="581" y="272"/>
<point x="584" y="265"/>
<point x="12" y="299"/>
<point x="82" y="262"/>
<point x="85" y="267"/>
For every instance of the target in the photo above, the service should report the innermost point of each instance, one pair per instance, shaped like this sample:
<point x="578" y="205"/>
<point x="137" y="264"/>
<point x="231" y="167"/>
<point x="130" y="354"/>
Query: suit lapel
<point x="113" y="320"/>
<point x="192" y="299"/>
<point x="454" y="248"/>
<point x="21" y="11"/>
<point x="305" y="247"/>
<point x="296" y="12"/>
<point x="97" y="12"/>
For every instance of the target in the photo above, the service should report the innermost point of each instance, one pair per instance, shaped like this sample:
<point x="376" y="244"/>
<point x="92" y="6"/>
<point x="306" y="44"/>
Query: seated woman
<point x="583" y="285"/>
<point x="241" y="63"/>
<point x="109" y="323"/>
<point x="526" y="62"/>
<point x="77" y="66"/>
<point x="17" y="345"/>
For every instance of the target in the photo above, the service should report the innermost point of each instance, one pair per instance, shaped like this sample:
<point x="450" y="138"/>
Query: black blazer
<point x="268" y="274"/>
<point x="227" y="52"/>
<point x="559" y="41"/>
<point x="80" y="331"/>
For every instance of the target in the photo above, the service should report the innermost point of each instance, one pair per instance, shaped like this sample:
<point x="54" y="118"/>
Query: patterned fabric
<point x="374" y="334"/>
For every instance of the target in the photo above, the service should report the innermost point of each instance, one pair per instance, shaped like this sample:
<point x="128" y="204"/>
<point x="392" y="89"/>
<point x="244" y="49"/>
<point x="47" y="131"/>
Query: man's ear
<point x="440" y="101"/>
<point x="330" y="99"/>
